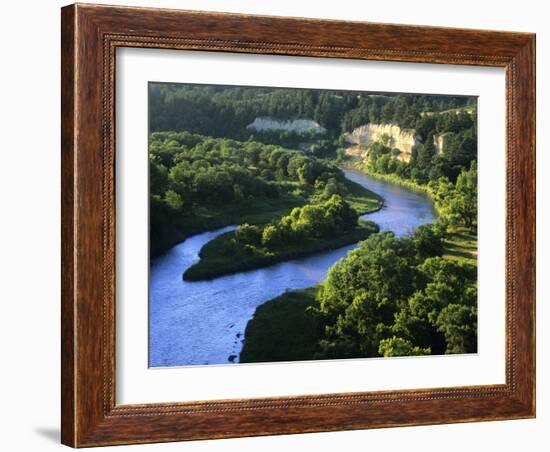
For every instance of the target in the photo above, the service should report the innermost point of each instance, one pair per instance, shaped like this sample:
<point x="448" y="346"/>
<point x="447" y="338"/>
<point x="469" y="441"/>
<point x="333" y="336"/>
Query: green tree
<point x="173" y="200"/>
<point x="363" y="291"/>
<point x="339" y="216"/>
<point x="397" y="346"/>
<point x="426" y="152"/>
<point x="158" y="177"/>
<point x="466" y="202"/>
<point x="248" y="234"/>
<point x="428" y="240"/>
<point x="271" y="237"/>
<point x="309" y="221"/>
<point x="458" y="323"/>
<point x="385" y="139"/>
<point x="332" y="188"/>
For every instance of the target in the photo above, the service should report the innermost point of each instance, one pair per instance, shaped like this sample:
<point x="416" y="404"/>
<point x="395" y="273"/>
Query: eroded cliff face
<point x="439" y="142"/>
<point x="294" y="125"/>
<point x="402" y="139"/>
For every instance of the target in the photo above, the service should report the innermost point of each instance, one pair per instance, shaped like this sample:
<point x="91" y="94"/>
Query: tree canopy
<point x="398" y="296"/>
<point x="191" y="173"/>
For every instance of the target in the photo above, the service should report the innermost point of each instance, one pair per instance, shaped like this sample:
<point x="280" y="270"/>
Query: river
<point x="198" y="323"/>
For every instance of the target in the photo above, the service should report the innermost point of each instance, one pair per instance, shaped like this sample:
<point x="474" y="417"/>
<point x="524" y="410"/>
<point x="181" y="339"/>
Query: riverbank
<point x="198" y="323"/>
<point x="201" y="219"/>
<point x="283" y="329"/>
<point x="392" y="178"/>
<point x="215" y="262"/>
<point x="287" y="328"/>
<point x="225" y="255"/>
<point x="256" y="212"/>
<point x="460" y="243"/>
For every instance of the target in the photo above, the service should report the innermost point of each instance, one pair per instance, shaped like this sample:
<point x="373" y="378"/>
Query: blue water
<point x="197" y="323"/>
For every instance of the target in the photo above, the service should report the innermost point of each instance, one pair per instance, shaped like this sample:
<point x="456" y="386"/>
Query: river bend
<point x="198" y="323"/>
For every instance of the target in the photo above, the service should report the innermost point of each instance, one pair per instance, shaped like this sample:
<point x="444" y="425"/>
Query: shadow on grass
<point x="461" y="254"/>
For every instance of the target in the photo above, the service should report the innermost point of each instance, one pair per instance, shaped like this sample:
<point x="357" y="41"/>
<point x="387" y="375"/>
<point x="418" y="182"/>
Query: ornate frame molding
<point x="90" y="36"/>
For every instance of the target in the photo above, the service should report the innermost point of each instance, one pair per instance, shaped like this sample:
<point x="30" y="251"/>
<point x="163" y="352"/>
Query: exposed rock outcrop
<point x="402" y="139"/>
<point x="294" y="125"/>
<point x="439" y="142"/>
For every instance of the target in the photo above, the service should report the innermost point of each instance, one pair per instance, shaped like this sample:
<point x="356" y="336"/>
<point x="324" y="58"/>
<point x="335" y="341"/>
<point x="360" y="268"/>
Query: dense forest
<point x="225" y="111"/>
<point x="391" y="296"/>
<point x="199" y="183"/>
<point x="398" y="296"/>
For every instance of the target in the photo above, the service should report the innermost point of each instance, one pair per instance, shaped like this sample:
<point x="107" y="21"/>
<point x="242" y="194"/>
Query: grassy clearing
<point x="215" y="261"/>
<point x="362" y="199"/>
<point x="283" y="329"/>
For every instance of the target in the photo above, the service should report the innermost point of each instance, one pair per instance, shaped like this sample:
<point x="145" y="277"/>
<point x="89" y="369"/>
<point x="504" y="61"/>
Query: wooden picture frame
<point x="90" y="36"/>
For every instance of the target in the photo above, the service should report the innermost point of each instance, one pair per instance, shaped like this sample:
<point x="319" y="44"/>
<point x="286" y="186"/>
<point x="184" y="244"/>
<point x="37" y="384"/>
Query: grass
<point x="362" y="199"/>
<point x="215" y="262"/>
<point x="461" y="246"/>
<point x="395" y="179"/>
<point x="283" y="329"/>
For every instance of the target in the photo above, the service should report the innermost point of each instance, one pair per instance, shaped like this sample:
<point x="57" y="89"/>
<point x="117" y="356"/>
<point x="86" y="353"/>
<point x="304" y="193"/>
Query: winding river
<point x="198" y="323"/>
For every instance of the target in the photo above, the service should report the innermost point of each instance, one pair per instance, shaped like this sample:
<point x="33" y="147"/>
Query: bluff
<point x="292" y="125"/>
<point x="402" y="139"/>
<point x="439" y="142"/>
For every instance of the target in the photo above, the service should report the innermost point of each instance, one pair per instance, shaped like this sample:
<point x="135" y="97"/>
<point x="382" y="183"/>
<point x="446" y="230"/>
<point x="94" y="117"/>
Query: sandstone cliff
<point x="294" y="125"/>
<point x="439" y="142"/>
<point x="402" y="139"/>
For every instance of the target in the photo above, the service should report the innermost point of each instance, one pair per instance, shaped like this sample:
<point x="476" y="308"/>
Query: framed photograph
<point x="280" y="225"/>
